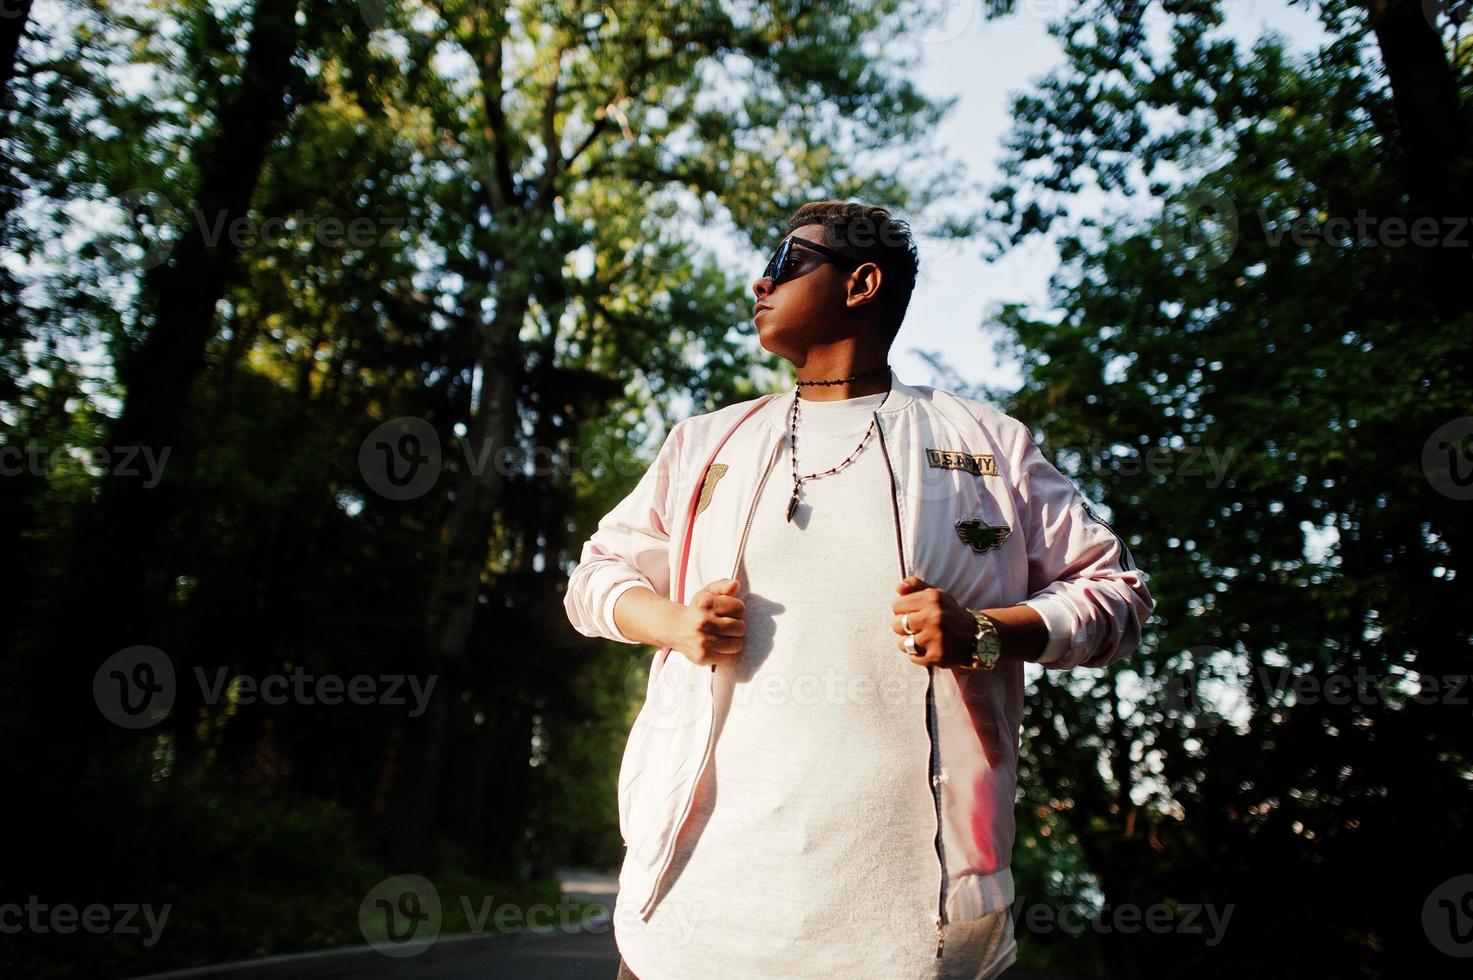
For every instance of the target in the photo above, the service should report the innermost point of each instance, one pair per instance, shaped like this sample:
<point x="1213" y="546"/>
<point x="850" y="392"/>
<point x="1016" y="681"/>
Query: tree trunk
<point x="12" y="28"/>
<point x="463" y="541"/>
<point x="1434" y="136"/>
<point x="161" y="371"/>
<point x="123" y="577"/>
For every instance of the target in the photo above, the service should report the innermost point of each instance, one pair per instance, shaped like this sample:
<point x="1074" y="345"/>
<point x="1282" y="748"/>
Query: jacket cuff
<point x="1059" y="628"/>
<point x="608" y="609"/>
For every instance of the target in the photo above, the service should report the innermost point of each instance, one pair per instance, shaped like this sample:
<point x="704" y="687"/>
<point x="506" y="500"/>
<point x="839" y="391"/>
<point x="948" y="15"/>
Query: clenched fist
<point x="943" y="629"/>
<point x="712" y="625"/>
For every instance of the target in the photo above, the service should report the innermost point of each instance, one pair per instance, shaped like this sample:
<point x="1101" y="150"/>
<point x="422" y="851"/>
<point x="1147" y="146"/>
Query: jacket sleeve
<point x="630" y="547"/>
<point x="1082" y="578"/>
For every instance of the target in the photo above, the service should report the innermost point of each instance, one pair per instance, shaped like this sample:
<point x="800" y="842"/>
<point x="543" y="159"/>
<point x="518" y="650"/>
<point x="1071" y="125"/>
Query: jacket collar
<point x="901" y="397"/>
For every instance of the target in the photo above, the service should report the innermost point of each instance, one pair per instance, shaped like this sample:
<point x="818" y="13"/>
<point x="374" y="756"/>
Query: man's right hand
<point x="713" y="624"/>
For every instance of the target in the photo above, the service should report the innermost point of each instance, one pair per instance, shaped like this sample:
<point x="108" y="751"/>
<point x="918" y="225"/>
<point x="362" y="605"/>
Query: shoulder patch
<point x="708" y="486"/>
<point x="1127" y="560"/>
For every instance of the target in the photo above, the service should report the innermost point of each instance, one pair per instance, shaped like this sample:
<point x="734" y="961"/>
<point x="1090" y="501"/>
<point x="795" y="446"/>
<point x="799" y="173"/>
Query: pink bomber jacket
<point x="979" y="512"/>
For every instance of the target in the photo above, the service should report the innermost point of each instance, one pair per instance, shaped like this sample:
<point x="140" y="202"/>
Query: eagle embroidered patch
<point x="983" y="537"/>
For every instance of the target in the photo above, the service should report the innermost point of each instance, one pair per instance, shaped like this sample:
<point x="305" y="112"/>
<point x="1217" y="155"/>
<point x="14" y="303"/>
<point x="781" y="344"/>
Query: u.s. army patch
<point x="983" y="537"/>
<point x="974" y="463"/>
<point x="713" y="475"/>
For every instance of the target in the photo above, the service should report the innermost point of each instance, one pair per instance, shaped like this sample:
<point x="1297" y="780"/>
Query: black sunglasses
<point x="780" y="264"/>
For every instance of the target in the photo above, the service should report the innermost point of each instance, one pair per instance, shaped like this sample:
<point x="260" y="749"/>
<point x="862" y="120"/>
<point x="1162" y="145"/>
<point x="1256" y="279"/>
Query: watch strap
<point x="985" y="624"/>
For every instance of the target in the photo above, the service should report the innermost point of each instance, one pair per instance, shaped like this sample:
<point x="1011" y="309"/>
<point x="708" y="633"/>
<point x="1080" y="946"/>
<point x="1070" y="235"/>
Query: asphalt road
<point x="549" y="954"/>
<point x="552" y="955"/>
<point x="580" y="956"/>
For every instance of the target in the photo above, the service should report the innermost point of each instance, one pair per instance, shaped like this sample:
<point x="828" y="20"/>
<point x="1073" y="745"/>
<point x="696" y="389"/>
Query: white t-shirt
<point x="809" y="850"/>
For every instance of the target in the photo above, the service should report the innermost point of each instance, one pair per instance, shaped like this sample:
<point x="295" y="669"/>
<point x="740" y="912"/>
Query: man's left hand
<point x="943" y="628"/>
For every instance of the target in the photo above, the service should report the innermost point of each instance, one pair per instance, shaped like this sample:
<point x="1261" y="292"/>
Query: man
<point x="821" y="780"/>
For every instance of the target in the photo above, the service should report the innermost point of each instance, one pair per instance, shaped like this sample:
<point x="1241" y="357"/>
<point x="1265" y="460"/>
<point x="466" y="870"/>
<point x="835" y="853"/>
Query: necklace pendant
<point x="792" y="505"/>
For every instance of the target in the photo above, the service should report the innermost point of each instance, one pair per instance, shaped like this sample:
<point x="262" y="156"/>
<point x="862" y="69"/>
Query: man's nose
<point x="761" y="287"/>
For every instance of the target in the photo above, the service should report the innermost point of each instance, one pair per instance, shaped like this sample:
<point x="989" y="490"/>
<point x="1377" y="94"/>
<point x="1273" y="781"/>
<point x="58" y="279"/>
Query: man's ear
<point x="864" y="284"/>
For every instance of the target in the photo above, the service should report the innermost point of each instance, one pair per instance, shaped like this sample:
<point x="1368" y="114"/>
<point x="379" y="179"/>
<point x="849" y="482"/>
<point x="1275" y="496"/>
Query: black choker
<point x="882" y="369"/>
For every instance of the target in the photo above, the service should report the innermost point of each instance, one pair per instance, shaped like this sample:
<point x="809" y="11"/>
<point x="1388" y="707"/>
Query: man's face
<point x="807" y="308"/>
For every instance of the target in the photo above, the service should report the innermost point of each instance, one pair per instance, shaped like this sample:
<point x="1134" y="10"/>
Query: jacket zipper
<point x="931" y="732"/>
<point x="711" y="693"/>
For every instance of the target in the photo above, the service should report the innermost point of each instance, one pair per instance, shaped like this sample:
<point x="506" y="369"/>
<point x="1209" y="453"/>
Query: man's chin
<point x="773" y="339"/>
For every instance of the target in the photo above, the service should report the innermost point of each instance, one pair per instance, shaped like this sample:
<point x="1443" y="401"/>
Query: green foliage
<point x="1252" y="406"/>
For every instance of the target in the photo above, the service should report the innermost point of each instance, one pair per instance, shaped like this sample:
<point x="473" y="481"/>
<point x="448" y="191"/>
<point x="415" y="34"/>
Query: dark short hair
<point x="869" y="234"/>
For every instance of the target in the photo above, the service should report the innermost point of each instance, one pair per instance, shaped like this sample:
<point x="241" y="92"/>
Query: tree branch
<point x="551" y="144"/>
<point x="489" y="66"/>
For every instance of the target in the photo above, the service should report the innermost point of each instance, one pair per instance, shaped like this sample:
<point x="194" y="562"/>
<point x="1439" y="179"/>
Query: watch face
<point x="989" y="647"/>
<point x="986" y="646"/>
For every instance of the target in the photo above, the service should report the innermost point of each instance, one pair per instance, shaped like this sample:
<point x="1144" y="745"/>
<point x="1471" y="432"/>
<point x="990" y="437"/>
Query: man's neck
<point x="833" y="368"/>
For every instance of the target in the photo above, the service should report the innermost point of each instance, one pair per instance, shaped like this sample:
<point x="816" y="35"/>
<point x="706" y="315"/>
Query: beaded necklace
<point x="793" y="434"/>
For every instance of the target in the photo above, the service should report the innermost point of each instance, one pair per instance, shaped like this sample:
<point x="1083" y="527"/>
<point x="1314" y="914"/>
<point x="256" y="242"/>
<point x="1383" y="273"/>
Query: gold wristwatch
<point x="986" y="646"/>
